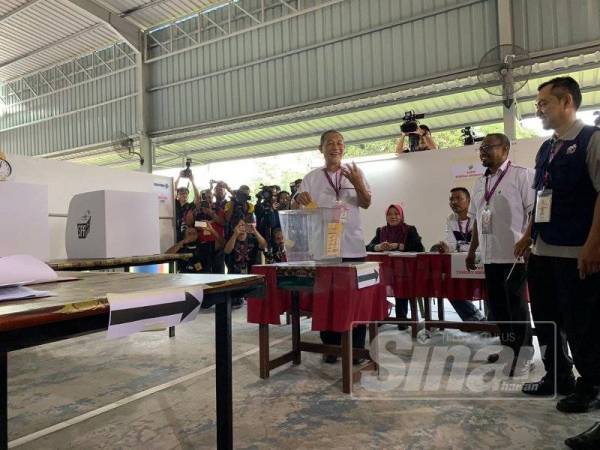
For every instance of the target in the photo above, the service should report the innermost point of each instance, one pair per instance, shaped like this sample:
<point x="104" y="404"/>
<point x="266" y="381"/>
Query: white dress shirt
<point x="323" y="194"/>
<point x="510" y="206"/>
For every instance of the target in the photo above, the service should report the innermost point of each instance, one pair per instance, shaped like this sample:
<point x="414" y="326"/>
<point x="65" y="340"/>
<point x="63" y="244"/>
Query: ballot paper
<point x="24" y="269"/>
<point x="21" y="292"/>
<point x="18" y="270"/>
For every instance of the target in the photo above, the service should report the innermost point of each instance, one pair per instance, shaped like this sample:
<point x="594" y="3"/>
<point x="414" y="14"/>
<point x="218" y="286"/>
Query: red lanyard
<point x="488" y="194"/>
<point x="555" y="150"/>
<point x="464" y="233"/>
<point x="337" y="187"/>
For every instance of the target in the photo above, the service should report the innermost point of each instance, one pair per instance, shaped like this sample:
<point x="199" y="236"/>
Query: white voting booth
<point x="112" y="224"/>
<point x="131" y="214"/>
<point x="24" y="219"/>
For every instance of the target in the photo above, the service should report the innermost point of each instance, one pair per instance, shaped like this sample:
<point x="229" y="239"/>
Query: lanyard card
<point x="543" y="206"/>
<point x="486" y="221"/>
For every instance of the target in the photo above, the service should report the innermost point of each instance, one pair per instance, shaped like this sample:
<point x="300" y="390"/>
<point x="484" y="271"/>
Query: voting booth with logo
<point x="112" y="224"/>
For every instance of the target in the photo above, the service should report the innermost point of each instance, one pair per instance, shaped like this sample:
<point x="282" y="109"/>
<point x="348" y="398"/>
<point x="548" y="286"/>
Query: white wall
<point x="421" y="182"/>
<point x="66" y="179"/>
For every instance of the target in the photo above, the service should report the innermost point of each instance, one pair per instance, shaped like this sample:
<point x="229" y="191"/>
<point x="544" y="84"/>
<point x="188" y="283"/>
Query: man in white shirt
<point x="459" y="230"/>
<point x="345" y="187"/>
<point x="502" y="201"/>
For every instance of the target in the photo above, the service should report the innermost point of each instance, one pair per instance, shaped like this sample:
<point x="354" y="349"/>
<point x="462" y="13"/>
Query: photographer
<point x="267" y="218"/>
<point x="183" y="207"/>
<point x="284" y="201"/>
<point x="426" y="142"/>
<point x="201" y="261"/>
<point x="242" y="251"/>
<point x="237" y="208"/>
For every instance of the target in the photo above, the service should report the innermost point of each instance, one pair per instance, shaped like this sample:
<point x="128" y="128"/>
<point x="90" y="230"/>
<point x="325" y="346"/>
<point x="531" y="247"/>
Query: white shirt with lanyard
<point x="333" y="190"/>
<point x="501" y="203"/>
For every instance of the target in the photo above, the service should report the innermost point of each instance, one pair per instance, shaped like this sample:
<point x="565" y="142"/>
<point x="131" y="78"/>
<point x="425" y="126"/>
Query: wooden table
<point x="112" y="263"/>
<point x="331" y="293"/>
<point x="81" y="307"/>
<point x="125" y="262"/>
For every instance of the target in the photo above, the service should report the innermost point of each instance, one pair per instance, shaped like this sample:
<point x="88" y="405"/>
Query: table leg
<point x="427" y="312"/>
<point x="3" y="399"/>
<point x="263" y="350"/>
<point x="296" y="327"/>
<point x="441" y="312"/>
<point x="171" y="332"/>
<point x="373" y="344"/>
<point x="223" y="375"/>
<point x="414" y="317"/>
<point x="347" y="362"/>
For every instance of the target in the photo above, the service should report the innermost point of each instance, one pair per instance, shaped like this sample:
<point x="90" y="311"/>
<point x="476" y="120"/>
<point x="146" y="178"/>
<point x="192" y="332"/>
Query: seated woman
<point x="400" y="237"/>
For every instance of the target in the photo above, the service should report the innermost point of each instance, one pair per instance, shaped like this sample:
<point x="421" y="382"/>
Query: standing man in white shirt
<point x="564" y="268"/>
<point x="501" y="203"/>
<point x="345" y="187"/>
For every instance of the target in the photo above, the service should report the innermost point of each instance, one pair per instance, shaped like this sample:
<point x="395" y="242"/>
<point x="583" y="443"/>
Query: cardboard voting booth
<point x="112" y="224"/>
<point x="24" y="220"/>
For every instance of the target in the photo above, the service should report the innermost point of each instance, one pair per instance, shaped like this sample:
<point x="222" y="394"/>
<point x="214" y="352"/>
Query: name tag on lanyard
<point x="543" y="206"/>
<point x="486" y="215"/>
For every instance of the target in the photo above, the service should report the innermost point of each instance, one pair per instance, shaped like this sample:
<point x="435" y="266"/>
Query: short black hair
<point x="504" y="140"/>
<point x="425" y="127"/>
<point x="463" y="190"/>
<point x="562" y="86"/>
<point x="327" y="133"/>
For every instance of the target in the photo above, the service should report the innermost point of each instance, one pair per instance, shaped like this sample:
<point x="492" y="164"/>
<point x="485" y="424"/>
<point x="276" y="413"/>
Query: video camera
<point x="409" y="126"/>
<point x="187" y="172"/>
<point x="469" y="136"/>
<point x="266" y="194"/>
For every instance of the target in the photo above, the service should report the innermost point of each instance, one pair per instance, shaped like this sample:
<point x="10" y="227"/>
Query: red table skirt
<point x="335" y="301"/>
<point x="427" y="275"/>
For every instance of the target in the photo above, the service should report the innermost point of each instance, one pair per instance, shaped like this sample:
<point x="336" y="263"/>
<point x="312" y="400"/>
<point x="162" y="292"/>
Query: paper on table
<point x="21" y="292"/>
<point x="145" y="310"/>
<point x="24" y="269"/>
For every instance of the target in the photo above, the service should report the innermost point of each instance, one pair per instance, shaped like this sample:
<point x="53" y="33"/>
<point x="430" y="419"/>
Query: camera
<point x="240" y="197"/>
<point x="409" y="126"/>
<point x="265" y="195"/>
<point x="295" y="186"/>
<point x="187" y="172"/>
<point x="469" y="136"/>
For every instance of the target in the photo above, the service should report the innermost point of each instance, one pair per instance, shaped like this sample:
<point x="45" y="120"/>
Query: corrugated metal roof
<point x="35" y="34"/>
<point x="149" y="13"/>
<point x="47" y="32"/>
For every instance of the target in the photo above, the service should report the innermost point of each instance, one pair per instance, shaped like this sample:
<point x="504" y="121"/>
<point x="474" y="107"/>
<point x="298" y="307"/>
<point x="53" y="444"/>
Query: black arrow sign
<point x="184" y="308"/>
<point x="369" y="276"/>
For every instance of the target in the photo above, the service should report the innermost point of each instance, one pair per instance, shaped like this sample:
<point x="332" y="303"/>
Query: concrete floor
<point x="151" y="392"/>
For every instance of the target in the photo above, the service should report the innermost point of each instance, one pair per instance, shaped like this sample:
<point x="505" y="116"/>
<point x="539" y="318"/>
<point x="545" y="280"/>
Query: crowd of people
<point x="536" y="231"/>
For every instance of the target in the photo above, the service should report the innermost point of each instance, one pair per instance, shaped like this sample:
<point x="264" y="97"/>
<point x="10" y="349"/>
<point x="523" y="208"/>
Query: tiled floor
<point x="64" y="385"/>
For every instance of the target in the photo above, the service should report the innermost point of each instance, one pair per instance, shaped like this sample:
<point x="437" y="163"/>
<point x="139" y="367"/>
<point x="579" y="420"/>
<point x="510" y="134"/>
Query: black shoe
<point x="357" y="361"/>
<point x="493" y="357"/>
<point x="545" y="386"/>
<point x="329" y="359"/>
<point x="588" y="440"/>
<point x="402" y="326"/>
<point x="583" y="399"/>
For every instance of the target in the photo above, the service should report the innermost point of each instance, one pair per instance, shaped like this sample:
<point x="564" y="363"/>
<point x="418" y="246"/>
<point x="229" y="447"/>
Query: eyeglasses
<point x="485" y="148"/>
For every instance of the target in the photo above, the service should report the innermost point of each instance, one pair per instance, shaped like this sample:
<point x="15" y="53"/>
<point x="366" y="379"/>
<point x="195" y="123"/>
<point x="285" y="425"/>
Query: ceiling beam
<point x="50" y="45"/>
<point x="120" y="26"/>
<point x="21" y="8"/>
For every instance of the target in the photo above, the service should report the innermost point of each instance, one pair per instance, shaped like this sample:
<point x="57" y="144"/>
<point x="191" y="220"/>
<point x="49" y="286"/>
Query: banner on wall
<point x="467" y="170"/>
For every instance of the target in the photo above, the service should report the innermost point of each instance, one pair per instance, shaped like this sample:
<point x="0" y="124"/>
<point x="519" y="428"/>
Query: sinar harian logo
<point x="83" y="225"/>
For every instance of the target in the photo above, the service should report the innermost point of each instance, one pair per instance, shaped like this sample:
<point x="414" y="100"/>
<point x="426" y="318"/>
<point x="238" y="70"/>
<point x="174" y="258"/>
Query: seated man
<point x="458" y="237"/>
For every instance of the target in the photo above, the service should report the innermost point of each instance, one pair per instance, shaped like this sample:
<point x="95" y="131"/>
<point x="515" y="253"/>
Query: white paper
<point x="21" y="292"/>
<point x="458" y="267"/>
<point x="24" y="269"/>
<point x="143" y="299"/>
<point x="367" y="274"/>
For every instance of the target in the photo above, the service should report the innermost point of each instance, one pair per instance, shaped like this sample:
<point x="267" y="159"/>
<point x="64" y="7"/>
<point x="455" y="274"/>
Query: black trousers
<point x="359" y="332"/>
<point x="465" y="309"/>
<point x="558" y="295"/>
<point x="508" y="304"/>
